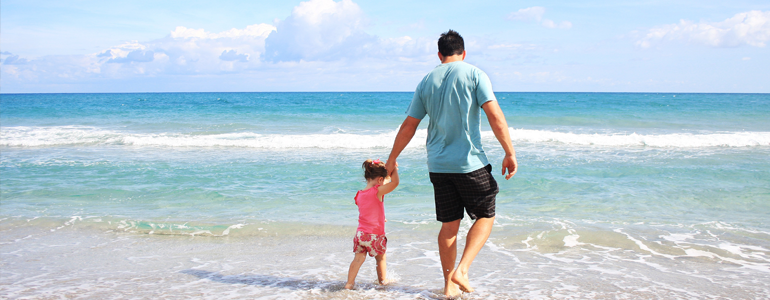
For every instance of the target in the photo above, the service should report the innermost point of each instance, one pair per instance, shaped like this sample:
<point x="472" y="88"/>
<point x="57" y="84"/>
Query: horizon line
<point x="584" y="92"/>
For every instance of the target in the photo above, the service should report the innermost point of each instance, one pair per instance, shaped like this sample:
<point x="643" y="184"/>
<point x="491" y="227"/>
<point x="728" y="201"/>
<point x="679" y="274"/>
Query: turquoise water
<point x="670" y="176"/>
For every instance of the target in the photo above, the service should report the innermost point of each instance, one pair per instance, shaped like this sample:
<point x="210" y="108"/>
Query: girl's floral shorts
<point x="373" y="244"/>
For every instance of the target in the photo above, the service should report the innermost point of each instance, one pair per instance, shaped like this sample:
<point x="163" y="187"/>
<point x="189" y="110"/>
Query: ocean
<point x="250" y="196"/>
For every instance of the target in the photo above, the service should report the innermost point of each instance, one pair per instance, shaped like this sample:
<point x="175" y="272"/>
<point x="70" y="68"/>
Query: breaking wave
<point x="56" y="136"/>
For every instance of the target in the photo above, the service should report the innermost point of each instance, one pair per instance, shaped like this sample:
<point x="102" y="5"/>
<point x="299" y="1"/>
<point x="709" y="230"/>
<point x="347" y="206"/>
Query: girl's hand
<point x="391" y="165"/>
<point x="390" y="186"/>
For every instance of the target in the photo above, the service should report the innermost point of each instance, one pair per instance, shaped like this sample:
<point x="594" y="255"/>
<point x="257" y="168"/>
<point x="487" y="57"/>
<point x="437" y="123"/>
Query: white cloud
<point x="184" y="51"/>
<point x="254" y="31"/>
<point x="182" y="32"/>
<point x="134" y="56"/>
<point x="319" y="30"/>
<point x="232" y="55"/>
<point x="535" y="14"/>
<point x="325" y="30"/>
<point x="14" y="60"/>
<point x="562" y="25"/>
<point x="748" y="28"/>
<point x="318" y="33"/>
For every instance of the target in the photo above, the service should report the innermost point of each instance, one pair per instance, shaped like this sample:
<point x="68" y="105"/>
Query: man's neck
<point x="451" y="58"/>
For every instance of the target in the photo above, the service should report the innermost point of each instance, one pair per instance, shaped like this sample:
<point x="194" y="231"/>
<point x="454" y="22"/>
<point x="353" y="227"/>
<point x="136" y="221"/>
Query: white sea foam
<point x="236" y="226"/>
<point x="22" y="136"/>
<point x="81" y="135"/>
<point x="668" y="140"/>
<point x="572" y="239"/>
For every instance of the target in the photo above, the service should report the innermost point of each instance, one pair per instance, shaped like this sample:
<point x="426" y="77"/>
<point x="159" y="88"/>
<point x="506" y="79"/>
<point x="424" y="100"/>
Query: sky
<point x="86" y="46"/>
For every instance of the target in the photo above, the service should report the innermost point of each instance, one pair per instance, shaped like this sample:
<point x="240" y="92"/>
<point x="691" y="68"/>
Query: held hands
<point x="391" y="165"/>
<point x="392" y="168"/>
<point x="510" y="164"/>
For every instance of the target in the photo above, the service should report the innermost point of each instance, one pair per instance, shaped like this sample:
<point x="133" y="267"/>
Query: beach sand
<point x="83" y="262"/>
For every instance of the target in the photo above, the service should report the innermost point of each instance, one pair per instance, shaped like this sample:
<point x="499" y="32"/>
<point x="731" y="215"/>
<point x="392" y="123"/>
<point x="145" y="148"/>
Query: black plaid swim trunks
<point x="475" y="192"/>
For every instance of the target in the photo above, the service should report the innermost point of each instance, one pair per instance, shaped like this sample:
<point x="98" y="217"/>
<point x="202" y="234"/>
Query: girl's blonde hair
<point x="374" y="169"/>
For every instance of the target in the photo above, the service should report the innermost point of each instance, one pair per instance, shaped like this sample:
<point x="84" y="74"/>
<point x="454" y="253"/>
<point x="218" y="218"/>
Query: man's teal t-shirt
<point x="452" y="95"/>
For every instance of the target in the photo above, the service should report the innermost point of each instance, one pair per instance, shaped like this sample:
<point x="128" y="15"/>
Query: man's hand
<point x="391" y="165"/>
<point x="510" y="164"/>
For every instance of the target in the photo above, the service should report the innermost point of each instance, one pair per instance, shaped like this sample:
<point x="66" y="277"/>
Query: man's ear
<point x="464" y="54"/>
<point x="440" y="57"/>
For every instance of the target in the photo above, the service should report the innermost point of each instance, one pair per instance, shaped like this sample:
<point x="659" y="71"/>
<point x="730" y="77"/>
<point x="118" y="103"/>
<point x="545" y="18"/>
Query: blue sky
<point x="345" y="45"/>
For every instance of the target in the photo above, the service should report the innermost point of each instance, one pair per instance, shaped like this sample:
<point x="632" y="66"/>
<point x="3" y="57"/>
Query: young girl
<point x="370" y="236"/>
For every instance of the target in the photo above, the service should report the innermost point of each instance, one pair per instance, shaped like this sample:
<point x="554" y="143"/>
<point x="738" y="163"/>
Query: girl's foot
<point x="349" y="286"/>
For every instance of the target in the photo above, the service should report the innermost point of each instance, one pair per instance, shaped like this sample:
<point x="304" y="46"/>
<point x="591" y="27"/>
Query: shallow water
<point x="85" y="262"/>
<point x="249" y="195"/>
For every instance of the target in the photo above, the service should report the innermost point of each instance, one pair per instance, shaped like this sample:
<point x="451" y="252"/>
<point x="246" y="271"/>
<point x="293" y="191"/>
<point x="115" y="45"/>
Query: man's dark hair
<point x="451" y="43"/>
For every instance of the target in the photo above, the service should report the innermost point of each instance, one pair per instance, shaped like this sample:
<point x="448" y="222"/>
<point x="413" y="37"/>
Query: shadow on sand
<point x="267" y="281"/>
<point x="302" y="284"/>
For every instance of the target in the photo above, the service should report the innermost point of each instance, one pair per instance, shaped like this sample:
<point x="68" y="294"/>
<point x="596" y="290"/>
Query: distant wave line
<point x="91" y="136"/>
<point x="670" y="140"/>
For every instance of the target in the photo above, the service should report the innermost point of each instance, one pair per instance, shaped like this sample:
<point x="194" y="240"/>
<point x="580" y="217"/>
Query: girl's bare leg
<point x="353" y="271"/>
<point x="382" y="269"/>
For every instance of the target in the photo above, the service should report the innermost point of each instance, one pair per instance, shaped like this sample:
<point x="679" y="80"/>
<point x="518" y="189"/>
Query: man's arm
<point x="500" y="128"/>
<point x="404" y="136"/>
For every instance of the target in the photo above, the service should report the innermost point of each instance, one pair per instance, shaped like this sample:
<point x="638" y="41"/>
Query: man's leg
<point x="477" y="237"/>
<point x="447" y="250"/>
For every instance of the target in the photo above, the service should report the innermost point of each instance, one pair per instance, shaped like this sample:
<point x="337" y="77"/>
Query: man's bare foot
<point x="451" y="291"/>
<point x="461" y="279"/>
<point x="349" y="286"/>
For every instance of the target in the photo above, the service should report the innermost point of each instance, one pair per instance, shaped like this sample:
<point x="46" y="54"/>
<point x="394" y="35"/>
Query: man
<point x="451" y="96"/>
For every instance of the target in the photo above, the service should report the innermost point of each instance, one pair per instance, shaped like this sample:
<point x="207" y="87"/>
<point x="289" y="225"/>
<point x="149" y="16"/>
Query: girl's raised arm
<point x="390" y="186"/>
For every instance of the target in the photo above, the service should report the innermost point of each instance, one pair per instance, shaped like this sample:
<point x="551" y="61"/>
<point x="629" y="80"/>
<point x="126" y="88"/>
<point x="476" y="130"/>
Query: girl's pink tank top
<point x="371" y="211"/>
